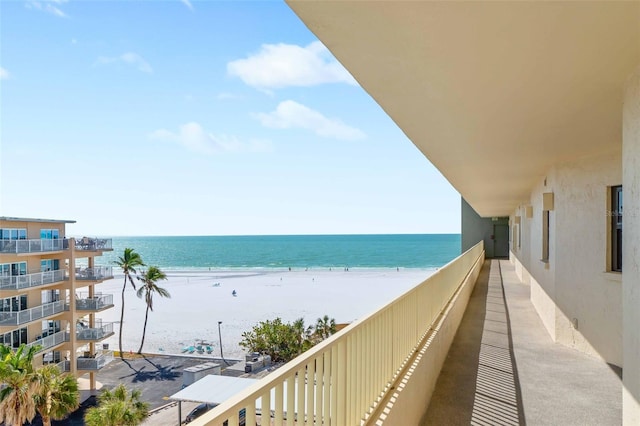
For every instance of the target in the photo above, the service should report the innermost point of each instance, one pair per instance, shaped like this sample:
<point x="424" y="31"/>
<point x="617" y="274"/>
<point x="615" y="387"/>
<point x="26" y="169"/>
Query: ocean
<point x="291" y="251"/>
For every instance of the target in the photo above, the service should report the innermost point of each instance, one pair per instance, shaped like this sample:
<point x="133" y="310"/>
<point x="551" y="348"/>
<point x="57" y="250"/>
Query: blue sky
<point x="198" y="118"/>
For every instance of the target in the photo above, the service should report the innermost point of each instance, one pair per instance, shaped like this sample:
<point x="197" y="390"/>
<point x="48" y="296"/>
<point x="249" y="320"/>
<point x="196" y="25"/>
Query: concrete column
<point x="630" y="249"/>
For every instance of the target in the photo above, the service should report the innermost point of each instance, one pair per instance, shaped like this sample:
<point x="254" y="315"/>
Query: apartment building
<point x="50" y="297"/>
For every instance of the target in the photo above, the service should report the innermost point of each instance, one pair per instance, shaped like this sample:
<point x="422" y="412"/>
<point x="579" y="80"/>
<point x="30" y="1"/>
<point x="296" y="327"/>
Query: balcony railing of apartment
<point x="19" y="282"/>
<point x="33" y="246"/>
<point x="50" y="341"/>
<point x="345" y="379"/>
<point x="32" y="314"/>
<point x="94" y="362"/>
<point x="96" y="333"/>
<point x="95" y="303"/>
<point x="91" y="244"/>
<point x="64" y="366"/>
<point x="95" y="273"/>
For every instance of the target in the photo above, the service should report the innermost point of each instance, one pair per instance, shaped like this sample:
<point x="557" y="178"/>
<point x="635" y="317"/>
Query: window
<point x="545" y="235"/>
<point x="49" y="265"/>
<point x="13" y="269"/>
<point x="13" y="233"/>
<point x="616" y="228"/>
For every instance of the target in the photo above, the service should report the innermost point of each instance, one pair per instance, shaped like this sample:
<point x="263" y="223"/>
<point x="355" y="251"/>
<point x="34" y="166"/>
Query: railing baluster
<point x="265" y="413"/>
<point x="291" y="400"/>
<point x="301" y="389"/>
<point x="319" y="388"/>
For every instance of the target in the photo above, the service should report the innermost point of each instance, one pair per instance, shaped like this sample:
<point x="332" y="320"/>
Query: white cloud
<point x="193" y="137"/>
<point x="282" y="65"/>
<point x="4" y="74"/>
<point x="187" y="3"/>
<point x="290" y="114"/>
<point x="128" y="58"/>
<point x="47" y="6"/>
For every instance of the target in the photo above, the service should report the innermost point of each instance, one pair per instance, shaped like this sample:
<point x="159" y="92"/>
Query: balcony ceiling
<point x="493" y="93"/>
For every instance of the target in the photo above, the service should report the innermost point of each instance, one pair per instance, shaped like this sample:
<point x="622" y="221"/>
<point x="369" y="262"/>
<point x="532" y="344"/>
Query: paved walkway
<point x="504" y="369"/>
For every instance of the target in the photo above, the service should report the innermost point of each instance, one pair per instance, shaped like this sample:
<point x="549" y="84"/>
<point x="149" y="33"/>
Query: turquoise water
<point x="295" y="251"/>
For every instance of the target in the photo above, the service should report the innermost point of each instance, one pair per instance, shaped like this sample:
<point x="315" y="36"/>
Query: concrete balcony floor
<point x="504" y="369"/>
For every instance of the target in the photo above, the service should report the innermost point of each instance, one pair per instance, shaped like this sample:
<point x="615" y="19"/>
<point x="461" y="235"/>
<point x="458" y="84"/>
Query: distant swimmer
<point x="234" y="293"/>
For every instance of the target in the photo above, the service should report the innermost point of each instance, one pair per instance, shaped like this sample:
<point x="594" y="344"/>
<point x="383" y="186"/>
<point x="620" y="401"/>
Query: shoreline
<point x="202" y="298"/>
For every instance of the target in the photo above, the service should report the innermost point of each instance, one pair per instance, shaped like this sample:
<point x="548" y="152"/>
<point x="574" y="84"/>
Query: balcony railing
<point x="32" y="246"/>
<point x="97" y="333"/>
<point x="94" y="303"/>
<point x="95" y="273"/>
<point x="95" y="362"/>
<point x="49" y="342"/>
<point x="64" y="366"/>
<point x="19" y="282"/>
<point x="92" y="244"/>
<point x="32" y="314"/>
<point x="347" y="378"/>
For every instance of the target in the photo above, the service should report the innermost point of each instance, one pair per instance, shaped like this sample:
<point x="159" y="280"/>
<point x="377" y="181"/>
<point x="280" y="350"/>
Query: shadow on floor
<point x="479" y="383"/>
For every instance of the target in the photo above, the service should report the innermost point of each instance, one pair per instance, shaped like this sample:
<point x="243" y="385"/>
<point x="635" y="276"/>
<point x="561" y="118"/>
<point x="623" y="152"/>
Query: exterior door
<point x="501" y="240"/>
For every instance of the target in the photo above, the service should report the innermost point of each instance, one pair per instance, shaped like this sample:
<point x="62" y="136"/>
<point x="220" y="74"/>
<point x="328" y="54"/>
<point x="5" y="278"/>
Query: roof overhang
<point x="493" y="93"/>
<point x="26" y="219"/>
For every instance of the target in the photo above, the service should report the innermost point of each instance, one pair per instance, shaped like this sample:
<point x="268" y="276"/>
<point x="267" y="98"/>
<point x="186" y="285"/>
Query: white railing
<point x="32" y="246"/>
<point x="32" y="314"/>
<point x="94" y="303"/>
<point x="19" y="282"/>
<point x="92" y="244"/>
<point x="94" y="362"/>
<point x="49" y="342"/>
<point x="343" y="379"/>
<point x="95" y="273"/>
<point x="96" y="333"/>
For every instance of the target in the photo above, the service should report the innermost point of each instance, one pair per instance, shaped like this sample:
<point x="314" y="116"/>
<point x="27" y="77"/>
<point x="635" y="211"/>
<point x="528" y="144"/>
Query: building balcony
<point x="64" y="366"/>
<point x="95" y="333"/>
<point x="94" y="362"/>
<point x="94" y="244"/>
<point x="33" y="246"/>
<point x="95" y="303"/>
<point x="32" y="314"/>
<point x="20" y="282"/>
<point x="50" y="341"/>
<point x="96" y="273"/>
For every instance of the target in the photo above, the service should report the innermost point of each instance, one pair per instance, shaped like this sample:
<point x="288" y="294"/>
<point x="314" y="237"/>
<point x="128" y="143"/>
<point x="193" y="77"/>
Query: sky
<point x="181" y="117"/>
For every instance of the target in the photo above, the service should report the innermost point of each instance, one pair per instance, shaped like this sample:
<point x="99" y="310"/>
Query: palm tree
<point x="128" y="263"/>
<point x="17" y="404"/>
<point x="325" y="327"/>
<point x="57" y="394"/>
<point x="150" y="286"/>
<point x="117" y="408"/>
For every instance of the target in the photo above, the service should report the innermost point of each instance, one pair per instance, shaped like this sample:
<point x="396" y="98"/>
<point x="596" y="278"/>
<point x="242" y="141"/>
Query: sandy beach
<point x="200" y="299"/>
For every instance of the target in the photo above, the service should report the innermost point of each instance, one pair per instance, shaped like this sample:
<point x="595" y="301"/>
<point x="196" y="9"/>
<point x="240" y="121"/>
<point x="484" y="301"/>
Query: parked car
<point x="204" y="407"/>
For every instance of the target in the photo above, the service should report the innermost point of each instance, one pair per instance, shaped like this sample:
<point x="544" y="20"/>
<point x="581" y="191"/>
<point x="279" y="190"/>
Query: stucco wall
<point x="631" y="251"/>
<point x="578" y="301"/>
<point x="475" y="228"/>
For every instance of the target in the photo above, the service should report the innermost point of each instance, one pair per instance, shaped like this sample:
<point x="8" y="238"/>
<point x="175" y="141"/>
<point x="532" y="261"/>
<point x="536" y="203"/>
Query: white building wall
<point x="631" y="250"/>
<point x="578" y="301"/>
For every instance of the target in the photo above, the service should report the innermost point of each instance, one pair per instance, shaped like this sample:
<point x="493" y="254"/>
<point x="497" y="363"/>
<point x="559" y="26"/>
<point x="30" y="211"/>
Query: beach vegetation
<point x="128" y="262"/>
<point x="150" y="287"/>
<point x="323" y="328"/>
<point x="17" y="404"/>
<point x="285" y="341"/>
<point x="118" y="407"/>
<point x="27" y="390"/>
<point x="57" y="395"/>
